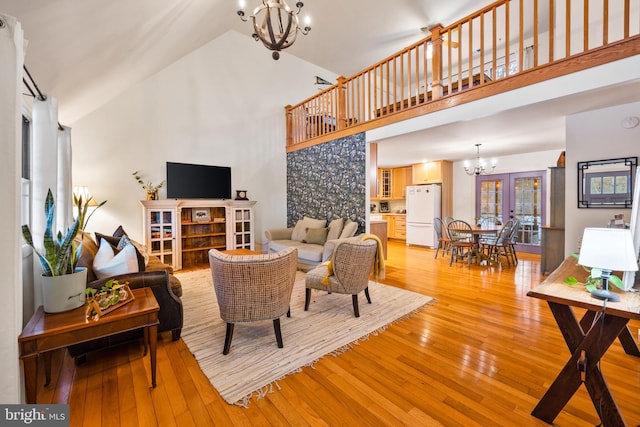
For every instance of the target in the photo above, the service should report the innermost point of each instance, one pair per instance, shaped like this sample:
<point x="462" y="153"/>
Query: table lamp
<point x="609" y="249"/>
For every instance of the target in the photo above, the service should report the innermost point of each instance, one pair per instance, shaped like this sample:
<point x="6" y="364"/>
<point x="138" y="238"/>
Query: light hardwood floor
<point x="482" y="355"/>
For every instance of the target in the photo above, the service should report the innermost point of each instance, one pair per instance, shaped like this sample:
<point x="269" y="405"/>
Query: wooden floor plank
<point x="483" y="354"/>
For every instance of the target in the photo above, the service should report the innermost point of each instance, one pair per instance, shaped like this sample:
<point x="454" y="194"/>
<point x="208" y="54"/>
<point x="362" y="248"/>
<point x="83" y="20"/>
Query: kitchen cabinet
<point x="401" y="177"/>
<point x="435" y="172"/>
<point x="396" y="226"/>
<point x="384" y="183"/>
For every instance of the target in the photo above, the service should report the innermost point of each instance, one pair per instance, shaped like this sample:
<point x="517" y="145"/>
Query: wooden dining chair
<point x="462" y="243"/>
<point x="497" y="246"/>
<point x="443" y="236"/>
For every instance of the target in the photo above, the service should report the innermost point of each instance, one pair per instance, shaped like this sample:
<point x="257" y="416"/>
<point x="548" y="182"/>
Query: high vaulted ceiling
<point x="86" y="52"/>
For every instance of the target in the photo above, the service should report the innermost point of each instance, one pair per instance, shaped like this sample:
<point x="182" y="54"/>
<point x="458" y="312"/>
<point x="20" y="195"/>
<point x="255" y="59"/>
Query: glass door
<point x="519" y="196"/>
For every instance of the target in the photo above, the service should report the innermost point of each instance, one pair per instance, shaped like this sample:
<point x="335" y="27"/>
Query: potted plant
<point x="152" y="190"/>
<point x="63" y="284"/>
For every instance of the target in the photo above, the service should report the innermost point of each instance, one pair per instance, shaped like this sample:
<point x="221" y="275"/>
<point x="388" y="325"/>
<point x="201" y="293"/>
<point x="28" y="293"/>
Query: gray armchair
<point x="352" y="265"/>
<point x="251" y="288"/>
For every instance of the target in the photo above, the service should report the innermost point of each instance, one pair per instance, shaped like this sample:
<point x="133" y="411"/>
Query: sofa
<point x="314" y="239"/>
<point x="151" y="272"/>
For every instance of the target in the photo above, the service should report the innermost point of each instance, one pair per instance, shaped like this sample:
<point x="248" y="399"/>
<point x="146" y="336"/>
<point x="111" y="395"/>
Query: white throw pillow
<point x="107" y="264"/>
<point x="300" y="230"/>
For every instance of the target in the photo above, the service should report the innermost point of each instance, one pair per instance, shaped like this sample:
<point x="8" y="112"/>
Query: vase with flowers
<point x="148" y="186"/>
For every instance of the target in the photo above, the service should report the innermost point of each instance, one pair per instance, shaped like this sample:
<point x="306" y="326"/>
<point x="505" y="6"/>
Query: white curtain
<point x="12" y="58"/>
<point x="64" y="200"/>
<point x="44" y="175"/>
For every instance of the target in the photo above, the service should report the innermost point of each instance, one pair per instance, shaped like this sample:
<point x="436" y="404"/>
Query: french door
<point x="520" y="196"/>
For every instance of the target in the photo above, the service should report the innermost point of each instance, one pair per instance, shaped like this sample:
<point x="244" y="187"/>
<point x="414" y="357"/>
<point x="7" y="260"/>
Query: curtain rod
<point x="40" y="96"/>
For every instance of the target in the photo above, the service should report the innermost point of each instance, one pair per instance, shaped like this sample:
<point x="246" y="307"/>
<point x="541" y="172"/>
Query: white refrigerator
<point x="423" y="205"/>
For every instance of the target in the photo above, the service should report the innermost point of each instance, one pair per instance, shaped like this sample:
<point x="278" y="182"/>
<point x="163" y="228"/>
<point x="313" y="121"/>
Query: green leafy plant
<point x="111" y="293"/>
<point x="82" y="204"/>
<point x="61" y="253"/>
<point x="594" y="280"/>
<point x="147" y="186"/>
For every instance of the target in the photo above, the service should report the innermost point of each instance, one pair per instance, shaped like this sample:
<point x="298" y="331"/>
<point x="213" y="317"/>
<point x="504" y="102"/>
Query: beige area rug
<point x="255" y="363"/>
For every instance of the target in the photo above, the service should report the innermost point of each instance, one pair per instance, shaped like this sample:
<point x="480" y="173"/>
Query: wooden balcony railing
<point x="502" y="41"/>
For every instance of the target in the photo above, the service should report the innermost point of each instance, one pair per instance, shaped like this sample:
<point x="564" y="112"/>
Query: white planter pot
<point x="64" y="293"/>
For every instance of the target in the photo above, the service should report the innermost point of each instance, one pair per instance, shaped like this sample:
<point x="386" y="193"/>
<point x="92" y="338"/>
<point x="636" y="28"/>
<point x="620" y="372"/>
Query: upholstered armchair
<point x="351" y="267"/>
<point x="250" y="288"/>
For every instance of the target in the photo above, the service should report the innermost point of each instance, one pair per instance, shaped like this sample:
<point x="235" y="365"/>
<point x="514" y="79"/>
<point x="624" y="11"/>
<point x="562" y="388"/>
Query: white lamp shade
<point x="608" y="249"/>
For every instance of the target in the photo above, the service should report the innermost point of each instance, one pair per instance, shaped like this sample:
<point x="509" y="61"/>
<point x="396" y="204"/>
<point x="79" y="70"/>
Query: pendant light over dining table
<point x="480" y="166"/>
<point x="275" y="24"/>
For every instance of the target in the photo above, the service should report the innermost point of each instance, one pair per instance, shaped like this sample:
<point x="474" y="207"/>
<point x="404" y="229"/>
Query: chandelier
<point x="479" y="168"/>
<point x="275" y="24"/>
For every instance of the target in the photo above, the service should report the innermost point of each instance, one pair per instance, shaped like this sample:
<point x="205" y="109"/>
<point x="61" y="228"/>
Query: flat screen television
<point x="189" y="181"/>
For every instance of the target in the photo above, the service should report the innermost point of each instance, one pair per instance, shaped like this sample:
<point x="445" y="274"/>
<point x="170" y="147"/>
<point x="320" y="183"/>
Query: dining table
<point x="479" y="231"/>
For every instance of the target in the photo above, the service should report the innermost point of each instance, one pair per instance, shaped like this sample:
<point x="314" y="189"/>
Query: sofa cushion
<point x="349" y="230"/>
<point x="316" y="236"/>
<point x="335" y="228"/>
<point x="307" y="251"/>
<point x="107" y="263"/>
<point x="89" y="251"/>
<point x="300" y="229"/>
<point x="115" y="242"/>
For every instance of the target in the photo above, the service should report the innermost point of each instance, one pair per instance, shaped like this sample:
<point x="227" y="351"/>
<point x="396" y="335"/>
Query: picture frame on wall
<point x="201" y="215"/>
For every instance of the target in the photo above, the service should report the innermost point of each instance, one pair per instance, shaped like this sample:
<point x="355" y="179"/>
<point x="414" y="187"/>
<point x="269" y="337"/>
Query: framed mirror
<point x="606" y="183"/>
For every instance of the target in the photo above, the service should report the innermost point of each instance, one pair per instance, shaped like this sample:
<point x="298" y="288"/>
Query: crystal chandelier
<point x="479" y="168"/>
<point x="275" y="24"/>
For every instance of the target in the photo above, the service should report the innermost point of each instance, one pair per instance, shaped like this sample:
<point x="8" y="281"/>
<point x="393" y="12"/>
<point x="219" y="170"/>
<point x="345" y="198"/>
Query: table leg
<point x="153" y="341"/>
<point x="146" y="340"/>
<point x="626" y="339"/>
<point x="47" y="368"/>
<point x="30" y="367"/>
<point x="594" y="344"/>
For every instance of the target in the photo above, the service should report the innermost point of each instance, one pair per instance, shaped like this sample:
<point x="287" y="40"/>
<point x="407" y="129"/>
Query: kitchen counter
<point x="379" y="228"/>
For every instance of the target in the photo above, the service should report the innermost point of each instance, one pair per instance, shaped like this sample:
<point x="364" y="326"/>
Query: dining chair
<point x="497" y="246"/>
<point x="513" y="240"/>
<point x="462" y="243"/>
<point x="448" y="220"/>
<point x="443" y="236"/>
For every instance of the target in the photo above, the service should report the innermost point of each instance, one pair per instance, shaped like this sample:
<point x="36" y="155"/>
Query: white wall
<point x="220" y="105"/>
<point x="595" y="135"/>
<point x="464" y="186"/>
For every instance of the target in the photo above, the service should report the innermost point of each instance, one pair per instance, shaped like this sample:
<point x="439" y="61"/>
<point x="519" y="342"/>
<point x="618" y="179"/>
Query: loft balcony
<point x="507" y="45"/>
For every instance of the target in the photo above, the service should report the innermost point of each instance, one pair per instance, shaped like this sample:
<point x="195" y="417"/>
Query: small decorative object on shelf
<point x="241" y="195"/>
<point x="201" y="215"/>
<point x="111" y="296"/>
<point x="152" y="190"/>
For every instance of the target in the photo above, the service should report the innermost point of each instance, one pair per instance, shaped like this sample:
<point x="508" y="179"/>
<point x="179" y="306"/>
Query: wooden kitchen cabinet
<point x="401" y="178"/>
<point x="435" y="172"/>
<point x="396" y="226"/>
<point x="385" y="183"/>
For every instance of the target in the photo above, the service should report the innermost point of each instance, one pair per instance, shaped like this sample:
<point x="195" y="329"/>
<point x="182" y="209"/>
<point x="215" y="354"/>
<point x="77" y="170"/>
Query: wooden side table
<point x="46" y="332"/>
<point x="587" y="341"/>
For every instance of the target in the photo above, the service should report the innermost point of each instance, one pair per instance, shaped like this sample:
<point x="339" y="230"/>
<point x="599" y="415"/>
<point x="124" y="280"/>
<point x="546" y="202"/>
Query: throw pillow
<point x="316" y="236"/>
<point x="300" y="229"/>
<point x="349" y="230"/>
<point x="115" y="242"/>
<point x="335" y="228"/>
<point x="106" y="264"/>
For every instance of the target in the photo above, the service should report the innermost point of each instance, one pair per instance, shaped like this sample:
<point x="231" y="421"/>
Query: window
<point x="25" y="206"/>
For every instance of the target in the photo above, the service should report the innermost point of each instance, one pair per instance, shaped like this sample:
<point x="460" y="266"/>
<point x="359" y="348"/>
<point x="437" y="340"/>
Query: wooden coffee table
<point x="241" y="251"/>
<point x="46" y="332"/>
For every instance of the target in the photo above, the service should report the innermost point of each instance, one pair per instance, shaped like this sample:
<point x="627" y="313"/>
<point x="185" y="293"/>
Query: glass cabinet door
<point x="243" y="226"/>
<point x="161" y="239"/>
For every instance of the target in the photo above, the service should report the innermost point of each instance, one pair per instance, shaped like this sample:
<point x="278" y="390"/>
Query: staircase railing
<point x="504" y="40"/>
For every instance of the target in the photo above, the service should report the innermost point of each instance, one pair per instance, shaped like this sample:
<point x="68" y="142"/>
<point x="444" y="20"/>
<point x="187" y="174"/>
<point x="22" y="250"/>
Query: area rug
<point x="255" y="363"/>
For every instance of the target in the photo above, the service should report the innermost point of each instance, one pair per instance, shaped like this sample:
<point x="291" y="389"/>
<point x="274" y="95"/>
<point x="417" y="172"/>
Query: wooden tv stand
<point x="181" y="231"/>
